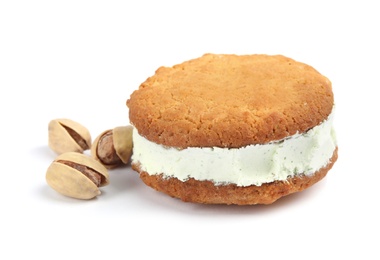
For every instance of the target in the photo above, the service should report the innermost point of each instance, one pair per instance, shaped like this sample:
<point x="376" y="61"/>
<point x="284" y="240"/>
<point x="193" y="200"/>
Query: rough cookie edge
<point x="206" y="192"/>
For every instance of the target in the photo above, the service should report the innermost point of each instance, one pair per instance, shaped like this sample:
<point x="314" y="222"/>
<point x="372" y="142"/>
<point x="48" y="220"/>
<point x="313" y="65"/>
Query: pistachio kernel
<point x="106" y="150"/>
<point x="95" y="177"/>
<point x="77" y="138"/>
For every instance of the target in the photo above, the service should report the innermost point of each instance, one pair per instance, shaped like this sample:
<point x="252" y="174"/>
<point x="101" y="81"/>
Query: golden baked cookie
<point x="233" y="129"/>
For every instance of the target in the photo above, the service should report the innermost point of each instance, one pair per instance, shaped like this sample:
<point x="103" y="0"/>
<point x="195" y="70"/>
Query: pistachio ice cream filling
<point x="304" y="154"/>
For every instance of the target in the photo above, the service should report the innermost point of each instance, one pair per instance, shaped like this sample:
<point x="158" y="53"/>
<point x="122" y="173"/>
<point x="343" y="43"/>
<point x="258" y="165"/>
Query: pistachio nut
<point x="113" y="147"/>
<point x="77" y="175"/>
<point x="66" y="135"/>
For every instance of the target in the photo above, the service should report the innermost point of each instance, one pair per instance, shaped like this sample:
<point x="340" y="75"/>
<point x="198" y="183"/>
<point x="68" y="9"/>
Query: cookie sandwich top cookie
<point x="230" y="101"/>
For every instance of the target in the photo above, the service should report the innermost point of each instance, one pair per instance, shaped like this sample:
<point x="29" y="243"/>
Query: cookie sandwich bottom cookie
<point x="253" y="174"/>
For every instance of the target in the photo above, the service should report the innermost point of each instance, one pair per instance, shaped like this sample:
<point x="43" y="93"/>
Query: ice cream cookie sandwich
<point x="233" y="129"/>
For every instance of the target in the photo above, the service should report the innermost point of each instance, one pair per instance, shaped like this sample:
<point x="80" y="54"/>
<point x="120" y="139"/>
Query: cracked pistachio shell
<point x="66" y="135"/>
<point x="120" y="150"/>
<point x="122" y="138"/>
<point x="70" y="181"/>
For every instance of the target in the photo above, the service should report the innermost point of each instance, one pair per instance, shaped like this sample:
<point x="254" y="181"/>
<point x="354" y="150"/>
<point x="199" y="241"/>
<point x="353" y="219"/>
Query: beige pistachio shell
<point x="71" y="182"/>
<point x="60" y="140"/>
<point x="122" y="137"/>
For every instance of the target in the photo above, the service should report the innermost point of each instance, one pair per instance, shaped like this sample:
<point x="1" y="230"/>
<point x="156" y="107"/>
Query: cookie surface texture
<point x="226" y="102"/>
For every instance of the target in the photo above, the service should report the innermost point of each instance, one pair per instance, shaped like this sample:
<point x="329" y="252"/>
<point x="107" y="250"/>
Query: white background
<point x="82" y="59"/>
